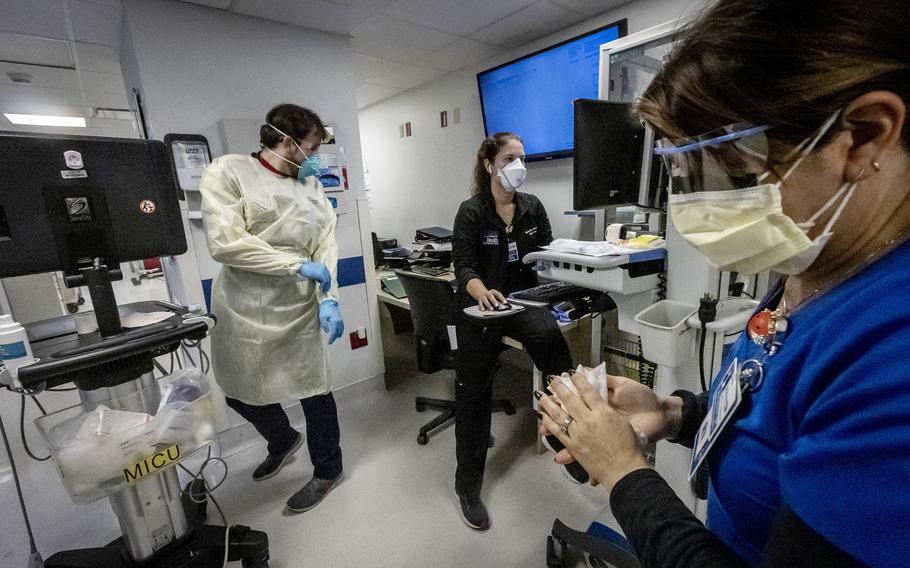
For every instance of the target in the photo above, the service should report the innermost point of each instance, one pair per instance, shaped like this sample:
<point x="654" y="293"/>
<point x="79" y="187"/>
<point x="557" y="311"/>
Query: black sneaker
<point x="312" y="493"/>
<point x="574" y="471"/>
<point x="273" y="464"/>
<point x="473" y="512"/>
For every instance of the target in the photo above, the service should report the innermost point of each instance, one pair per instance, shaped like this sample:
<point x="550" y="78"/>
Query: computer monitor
<point x="608" y="154"/>
<point x="83" y="205"/>
<point x="67" y="200"/>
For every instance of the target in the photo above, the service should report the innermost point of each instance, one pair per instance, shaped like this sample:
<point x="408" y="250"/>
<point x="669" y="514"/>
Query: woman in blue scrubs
<point x="794" y="157"/>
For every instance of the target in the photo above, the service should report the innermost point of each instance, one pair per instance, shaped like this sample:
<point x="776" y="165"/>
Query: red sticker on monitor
<point x="147" y="206"/>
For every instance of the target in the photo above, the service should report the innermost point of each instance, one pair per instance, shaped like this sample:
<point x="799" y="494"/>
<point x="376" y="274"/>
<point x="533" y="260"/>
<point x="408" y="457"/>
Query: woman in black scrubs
<point x="494" y="229"/>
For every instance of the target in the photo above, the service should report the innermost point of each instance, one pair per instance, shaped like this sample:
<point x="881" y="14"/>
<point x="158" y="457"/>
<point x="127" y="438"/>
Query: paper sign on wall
<point x="190" y="160"/>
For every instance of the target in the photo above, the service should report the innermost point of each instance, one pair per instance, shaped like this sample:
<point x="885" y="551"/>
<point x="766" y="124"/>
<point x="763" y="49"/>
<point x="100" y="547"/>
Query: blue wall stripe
<point x="207" y="293"/>
<point x="351" y="271"/>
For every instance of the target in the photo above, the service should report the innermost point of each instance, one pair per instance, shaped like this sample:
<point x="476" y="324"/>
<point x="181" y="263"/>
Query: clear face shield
<point x="730" y="158"/>
<point x="738" y="156"/>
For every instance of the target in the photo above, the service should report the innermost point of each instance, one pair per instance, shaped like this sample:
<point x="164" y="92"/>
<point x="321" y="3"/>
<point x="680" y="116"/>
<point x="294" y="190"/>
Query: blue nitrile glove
<point x="317" y="272"/>
<point x="330" y="319"/>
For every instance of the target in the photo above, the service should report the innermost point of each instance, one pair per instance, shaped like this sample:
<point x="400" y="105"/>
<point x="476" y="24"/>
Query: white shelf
<point x="194" y="215"/>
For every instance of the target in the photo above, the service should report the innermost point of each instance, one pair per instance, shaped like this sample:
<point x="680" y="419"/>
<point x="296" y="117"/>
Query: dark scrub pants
<point x="323" y="436"/>
<point x="479" y="344"/>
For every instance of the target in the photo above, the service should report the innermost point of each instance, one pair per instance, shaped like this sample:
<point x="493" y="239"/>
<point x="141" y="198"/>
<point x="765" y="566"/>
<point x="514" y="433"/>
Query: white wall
<point x="197" y="66"/>
<point x="419" y="181"/>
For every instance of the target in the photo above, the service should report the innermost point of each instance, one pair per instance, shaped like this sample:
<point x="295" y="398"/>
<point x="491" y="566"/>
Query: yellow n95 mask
<point x="719" y="204"/>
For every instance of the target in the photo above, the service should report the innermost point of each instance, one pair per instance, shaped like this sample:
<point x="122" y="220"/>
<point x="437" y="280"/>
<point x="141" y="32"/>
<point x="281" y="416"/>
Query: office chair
<point x="604" y="548"/>
<point x="433" y="308"/>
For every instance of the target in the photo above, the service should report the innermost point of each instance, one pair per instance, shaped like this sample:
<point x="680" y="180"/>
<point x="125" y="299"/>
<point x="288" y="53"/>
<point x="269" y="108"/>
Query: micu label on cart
<point x="152" y="464"/>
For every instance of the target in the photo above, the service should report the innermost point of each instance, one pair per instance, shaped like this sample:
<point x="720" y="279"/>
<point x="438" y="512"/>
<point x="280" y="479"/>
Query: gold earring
<point x="876" y="166"/>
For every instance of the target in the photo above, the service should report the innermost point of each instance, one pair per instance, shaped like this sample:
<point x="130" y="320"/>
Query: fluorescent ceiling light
<point x="46" y="120"/>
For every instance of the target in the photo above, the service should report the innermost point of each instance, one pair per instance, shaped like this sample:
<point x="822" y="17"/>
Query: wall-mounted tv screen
<point x="532" y="96"/>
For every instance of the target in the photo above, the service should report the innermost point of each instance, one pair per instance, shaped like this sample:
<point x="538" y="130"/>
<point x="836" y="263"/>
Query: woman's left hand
<point x="599" y="438"/>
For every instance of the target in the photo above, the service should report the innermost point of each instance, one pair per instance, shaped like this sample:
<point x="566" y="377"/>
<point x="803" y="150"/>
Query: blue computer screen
<point x="533" y="96"/>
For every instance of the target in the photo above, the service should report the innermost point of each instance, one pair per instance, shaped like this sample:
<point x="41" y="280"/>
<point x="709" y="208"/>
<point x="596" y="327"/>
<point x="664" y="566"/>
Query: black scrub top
<point x="482" y="247"/>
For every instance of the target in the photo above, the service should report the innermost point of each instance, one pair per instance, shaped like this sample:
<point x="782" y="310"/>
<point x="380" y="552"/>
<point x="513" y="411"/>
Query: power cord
<point x="707" y="312"/>
<point x="208" y="494"/>
<point x="35" y="559"/>
<point x="22" y="429"/>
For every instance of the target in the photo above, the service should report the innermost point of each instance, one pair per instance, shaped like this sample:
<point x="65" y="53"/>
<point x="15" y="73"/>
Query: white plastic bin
<point x="666" y="337"/>
<point x="100" y="450"/>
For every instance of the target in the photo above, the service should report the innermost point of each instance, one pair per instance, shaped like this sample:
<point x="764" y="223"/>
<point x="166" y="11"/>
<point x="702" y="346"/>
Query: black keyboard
<point x="428" y="270"/>
<point x="552" y="292"/>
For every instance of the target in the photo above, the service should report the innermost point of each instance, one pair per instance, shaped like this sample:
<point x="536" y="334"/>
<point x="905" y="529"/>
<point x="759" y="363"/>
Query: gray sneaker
<point x="312" y="493"/>
<point x="273" y="464"/>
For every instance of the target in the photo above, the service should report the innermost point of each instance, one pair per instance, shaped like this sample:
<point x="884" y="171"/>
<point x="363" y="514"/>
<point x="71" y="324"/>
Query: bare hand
<point x="490" y="300"/>
<point x="652" y="416"/>
<point x="599" y="437"/>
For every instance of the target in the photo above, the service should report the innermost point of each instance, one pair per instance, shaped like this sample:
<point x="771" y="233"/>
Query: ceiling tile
<point x="35" y="50"/>
<point x="41" y="100"/>
<point x="409" y="76"/>
<point x="111" y="127"/>
<point x="41" y="76"/>
<point x="220" y="4"/>
<point x="99" y="58"/>
<point x="461" y="17"/>
<point x="45" y="18"/>
<point x="372" y="5"/>
<point x="385" y="37"/>
<point x="459" y="54"/>
<point x="590" y="7"/>
<point x="96" y="23"/>
<point x="369" y="94"/>
<point x="103" y="82"/>
<point x="313" y="14"/>
<point x="106" y="100"/>
<point x="534" y="22"/>
<point x="371" y="68"/>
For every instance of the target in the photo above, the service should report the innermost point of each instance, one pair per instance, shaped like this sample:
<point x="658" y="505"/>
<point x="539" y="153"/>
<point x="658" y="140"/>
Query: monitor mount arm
<point x="97" y="277"/>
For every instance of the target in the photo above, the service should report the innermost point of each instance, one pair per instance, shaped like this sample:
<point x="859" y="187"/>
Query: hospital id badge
<point x="723" y="404"/>
<point x="513" y="251"/>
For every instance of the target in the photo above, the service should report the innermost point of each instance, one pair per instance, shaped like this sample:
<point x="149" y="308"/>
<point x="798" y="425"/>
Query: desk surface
<point x="387" y="298"/>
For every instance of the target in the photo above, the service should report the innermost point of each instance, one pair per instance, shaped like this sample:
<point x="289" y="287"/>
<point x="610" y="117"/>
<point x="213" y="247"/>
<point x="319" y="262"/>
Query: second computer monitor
<point x="608" y="154"/>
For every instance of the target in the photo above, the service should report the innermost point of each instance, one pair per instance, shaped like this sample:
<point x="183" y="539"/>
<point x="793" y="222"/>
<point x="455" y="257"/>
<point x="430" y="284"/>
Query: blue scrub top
<point x="828" y="433"/>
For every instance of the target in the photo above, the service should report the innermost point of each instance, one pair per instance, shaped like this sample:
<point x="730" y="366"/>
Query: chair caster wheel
<point x="422" y="439"/>
<point x="419" y="407"/>
<point x="509" y="410"/>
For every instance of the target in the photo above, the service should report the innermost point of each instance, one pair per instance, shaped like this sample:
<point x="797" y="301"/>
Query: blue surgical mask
<point x="308" y="167"/>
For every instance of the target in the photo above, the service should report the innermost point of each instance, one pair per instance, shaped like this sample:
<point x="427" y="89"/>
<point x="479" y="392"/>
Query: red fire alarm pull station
<point x="407" y="128"/>
<point x="444" y="119"/>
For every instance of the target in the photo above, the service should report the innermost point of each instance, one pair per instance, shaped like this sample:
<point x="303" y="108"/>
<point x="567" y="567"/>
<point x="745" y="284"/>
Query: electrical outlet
<point x="444" y="119"/>
<point x="456" y="115"/>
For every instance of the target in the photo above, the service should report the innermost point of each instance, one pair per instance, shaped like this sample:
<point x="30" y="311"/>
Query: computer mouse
<point x="503" y="307"/>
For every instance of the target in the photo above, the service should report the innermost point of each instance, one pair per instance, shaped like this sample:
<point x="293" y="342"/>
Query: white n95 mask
<point x="512" y="175"/>
<point x="744" y="230"/>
